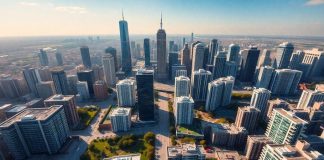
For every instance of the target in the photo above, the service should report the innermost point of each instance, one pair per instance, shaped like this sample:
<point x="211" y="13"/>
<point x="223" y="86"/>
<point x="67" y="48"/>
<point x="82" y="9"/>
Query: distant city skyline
<point x="235" y="17"/>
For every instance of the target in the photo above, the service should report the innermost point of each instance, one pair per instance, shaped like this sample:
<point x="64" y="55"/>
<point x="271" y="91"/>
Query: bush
<point x="173" y="140"/>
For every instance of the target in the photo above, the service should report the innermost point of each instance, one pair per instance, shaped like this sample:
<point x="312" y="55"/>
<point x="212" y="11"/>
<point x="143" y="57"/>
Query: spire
<point x="161" y="21"/>
<point x="123" y="14"/>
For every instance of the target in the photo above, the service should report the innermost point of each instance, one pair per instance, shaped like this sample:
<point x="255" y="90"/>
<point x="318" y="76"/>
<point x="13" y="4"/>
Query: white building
<point x="182" y="86"/>
<point x="219" y="64"/>
<point x="109" y="69"/>
<point x="83" y="90"/>
<point x="184" y="110"/>
<point x="260" y="99"/>
<point x="285" y="81"/>
<point x="120" y="119"/>
<point x="309" y="97"/>
<point x="126" y="94"/>
<point x="199" y="84"/>
<point x="198" y="57"/>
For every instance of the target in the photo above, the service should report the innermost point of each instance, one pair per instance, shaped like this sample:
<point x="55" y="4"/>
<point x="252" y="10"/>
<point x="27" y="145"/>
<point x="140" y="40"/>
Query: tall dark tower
<point x="249" y="61"/>
<point x="147" y="51"/>
<point x="161" y="53"/>
<point x="85" y="54"/>
<point x="125" y="47"/>
<point x="144" y="81"/>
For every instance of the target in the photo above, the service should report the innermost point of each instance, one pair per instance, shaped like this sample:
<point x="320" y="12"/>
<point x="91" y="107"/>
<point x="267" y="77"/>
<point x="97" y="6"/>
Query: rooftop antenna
<point x="123" y="14"/>
<point x="161" y="21"/>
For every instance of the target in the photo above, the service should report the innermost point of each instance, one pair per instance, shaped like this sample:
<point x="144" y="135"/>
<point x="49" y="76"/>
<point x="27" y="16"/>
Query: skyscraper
<point x="198" y="57"/>
<point x="113" y="52"/>
<point x="247" y="117"/>
<point x="233" y="52"/>
<point x="100" y="90"/>
<point x="126" y="95"/>
<point x="83" y="90"/>
<point x="72" y="81"/>
<point x="147" y="52"/>
<point x="145" y="97"/>
<point x="173" y="60"/>
<point x="184" y="110"/>
<point x="264" y="77"/>
<point x="283" y="55"/>
<point x="85" y="55"/>
<point x="285" y="81"/>
<point x="185" y="57"/>
<point x="272" y="104"/>
<point x="161" y="53"/>
<point x="213" y="49"/>
<point x="109" y="69"/>
<point x="87" y="76"/>
<point x="312" y="65"/>
<point x="32" y="78"/>
<point x="60" y="81"/>
<point x="199" y="84"/>
<point x="43" y="58"/>
<point x="260" y="99"/>
<point x="309" y="97"/>
<point x="219" y="93"/>
<point x="284" y="127"/>
<point x="266" y="58"/>
<point x="219" y="64"/>
<point x="230" y="69"/>
<point x="45" y="89"/>
<point x="59" y="58"/>
<point x="125" y="48"/>
<point x="249" y="61"/>
<point x="182" y="86"/>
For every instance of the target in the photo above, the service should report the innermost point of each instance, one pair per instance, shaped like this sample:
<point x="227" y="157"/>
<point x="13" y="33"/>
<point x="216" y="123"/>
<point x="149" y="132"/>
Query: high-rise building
<point x="184" y="110"/>
<point x="233" y="52"/>
<point x="125" y="47"/>
<point x="198" y="57"/>
<point x="44" y="73"/>
<point x="199" y="84"/>
<point x="247" y="117"/>
<point x="10" y="87"/>
<point x="266" y="58"/>
<point x="260" y="98"/>
<point x="100" y="90"/>
<point x="147" y="52"/>
<point x="182" y="86"/>
<point x="284" y="81"/>
<point x="113" y="52"/>
<point x="145" y="97"/>
<point x="284" y="127"/>
<point x="35" y="131"/>
<point x="219" y="93"/>
<point x="109" y="69"/>
<point x="85" y="55"/>
<point x="32" y="78"/>
<point x="60" y="81"/>
<point x="283" y="55"/>
<point x="87" y="76"/>
<point x="120" y="119"/>
<point x="43" y="58"/>
<point x="219" y="64"/>
<point x="178" y="70"/>
<point x="249" y="61"/>
<point x="173" y="60"/>
<point x="83" y="90"/>
<point x="126" y="95"/>
<point x="254" y="146"/>
<point x="185" y="57"/>
<point x="59" y="58"/>
<point x="213" y="49"/>
<point x="72" y="81"/>
<point x="45" y="89"/>
<point x="161" y="53"/>
<point x="171" y="45"/>
<point x="264" y="77"/>
<point x="69" y="105"/>
<point x="296" y="60"/>
<point x="272" y="104"/>
<point x="312" y="65"/>
<point x="230" y="69"/>
<point x="309" y="97"/>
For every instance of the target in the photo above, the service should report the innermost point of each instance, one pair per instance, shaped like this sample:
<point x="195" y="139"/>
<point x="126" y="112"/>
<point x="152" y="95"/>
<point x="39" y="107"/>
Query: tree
<point x="203" y="143"/>
<point x="149" y="137"/>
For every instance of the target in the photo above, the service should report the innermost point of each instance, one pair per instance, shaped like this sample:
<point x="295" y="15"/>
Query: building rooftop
<point x="17" y="108"/>
<point x="125" y="157"/>
<point x="5" y="106"/>
<point x="120" y="111"/>
<point x="185" y="150"/>
<point x="228" y="155"/>
<point x="182" y="78"/>
<point x="289" y="115"/>
<point x="38" y="114"/>
<point x="259" y="138"/>
<point x="59" y="97"/>
<point x="126" y="81"/>
<point x="227" y="128"/>
<point x="183" y="99"/>
<point x="144" y="71"/>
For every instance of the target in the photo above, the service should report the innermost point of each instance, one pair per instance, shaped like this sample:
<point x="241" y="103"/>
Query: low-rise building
<point x="186" y="152"/>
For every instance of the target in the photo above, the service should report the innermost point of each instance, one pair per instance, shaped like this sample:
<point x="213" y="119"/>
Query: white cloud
<point x="71" y="9"/>
<point x="31" y="4"/>
<point x="314" y="2"/>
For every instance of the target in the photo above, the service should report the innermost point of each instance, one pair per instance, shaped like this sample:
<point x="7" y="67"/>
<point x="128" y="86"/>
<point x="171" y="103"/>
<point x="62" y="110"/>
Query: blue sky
<point x="228" y="17"/>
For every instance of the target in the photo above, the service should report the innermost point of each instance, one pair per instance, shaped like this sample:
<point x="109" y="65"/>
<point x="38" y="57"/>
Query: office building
<point x="87" y="76"/>
<point x="312" y="65"/>
<point x="185" y="57"/>
<point x="186" y="151"/>
<point x="83" y="90"/>
<point x="161" y="53"/>
<point x="145" y="97"/>
<point x="69" y="105"/>
<point x="35" y="131"/>
<point x="213" y="49"/>
<point x="249" y="61"/>
<point x="264" y="77"/>
<point x="178" y="70"/>
<point x="126" y="95"/>
<point x="233" y="52"/>
<point x="45" y="89"/>
<point x="272" y="104"/>
<point x="230" y="69"/>
<point x="285" y="81"/>
<point x="309" y="97"/>
<point x="198" y="57"/>
<point x="219" y="93"/>
<point x="199" y="84"/>
<point x="284" y="127"/>
<point x="283" y="55"/>
<point x="173" y="60"/>
<point x="296" y="60"/>
<point x="98" y="72"/>
<point x="121" y="119"/>
<point x="32" y="78"/>
<point x="219" y="64"/>
<point x="109" y="69"/>
<point x="147" y="52"/>
<point x="113" y="52"/>
<point x="43" y="58"/>
<point x="100" y="90"/>
<point x="247" y="117"/>
<point x="59" y="58"/>
<point x="260" y="98"/>
<point x="10" y="87"/>
<point x="72" y="81"/>
<point x="254" y="146"/>
<point x="266" y="58"/>
<point x="126" y="58"/>
<point x="184" y="112"/>
<point x="60" y="81"/>
<point x="85" y="55"/>
<point x="301" y="151"/>
<point x="44" y="73"/>
<point x="182" y="86"/>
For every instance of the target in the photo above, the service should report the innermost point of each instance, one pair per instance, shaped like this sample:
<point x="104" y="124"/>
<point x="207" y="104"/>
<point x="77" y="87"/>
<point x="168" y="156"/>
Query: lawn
<point x="128" y="144"/>
<point x="87" y="114"/>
